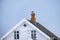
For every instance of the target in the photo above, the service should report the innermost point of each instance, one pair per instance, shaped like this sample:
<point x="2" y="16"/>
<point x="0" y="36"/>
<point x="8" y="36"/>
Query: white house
<point x="29" y="30"/>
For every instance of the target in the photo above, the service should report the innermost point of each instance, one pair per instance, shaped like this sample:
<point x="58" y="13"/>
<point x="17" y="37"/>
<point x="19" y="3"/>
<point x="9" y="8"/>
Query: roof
<point x="36" y="25"/>
<point x="45" y="30"/>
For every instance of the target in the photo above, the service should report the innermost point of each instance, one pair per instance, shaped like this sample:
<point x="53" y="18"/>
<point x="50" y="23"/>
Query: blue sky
<point x="47" y="13"/>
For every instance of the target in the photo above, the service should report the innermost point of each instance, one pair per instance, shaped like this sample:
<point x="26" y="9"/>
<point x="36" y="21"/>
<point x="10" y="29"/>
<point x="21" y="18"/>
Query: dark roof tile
<point x="45" y="30"/>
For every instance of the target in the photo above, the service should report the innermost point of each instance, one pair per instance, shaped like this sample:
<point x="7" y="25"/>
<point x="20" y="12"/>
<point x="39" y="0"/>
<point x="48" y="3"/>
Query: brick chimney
<point x="33" y="19"/>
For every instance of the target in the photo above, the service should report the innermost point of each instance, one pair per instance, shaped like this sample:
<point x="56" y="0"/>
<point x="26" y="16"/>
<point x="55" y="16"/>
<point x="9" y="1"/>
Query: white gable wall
<point x="25" y="33"/>
<point x="9" y="37"/>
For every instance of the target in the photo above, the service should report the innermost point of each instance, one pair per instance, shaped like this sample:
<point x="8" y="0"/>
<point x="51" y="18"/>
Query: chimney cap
<point x="32" y="13"/>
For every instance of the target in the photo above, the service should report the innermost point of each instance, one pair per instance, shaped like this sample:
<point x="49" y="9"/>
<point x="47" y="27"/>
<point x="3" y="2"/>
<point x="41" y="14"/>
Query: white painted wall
<point x="25" y="33"/>
<point x="9" y="37"/>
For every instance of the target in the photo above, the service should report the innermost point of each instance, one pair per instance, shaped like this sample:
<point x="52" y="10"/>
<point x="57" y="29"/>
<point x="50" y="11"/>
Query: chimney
<point x="33" y="19"/>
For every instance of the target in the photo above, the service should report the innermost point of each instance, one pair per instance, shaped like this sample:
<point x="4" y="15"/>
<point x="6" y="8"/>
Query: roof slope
<point x="42" y="28"/>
